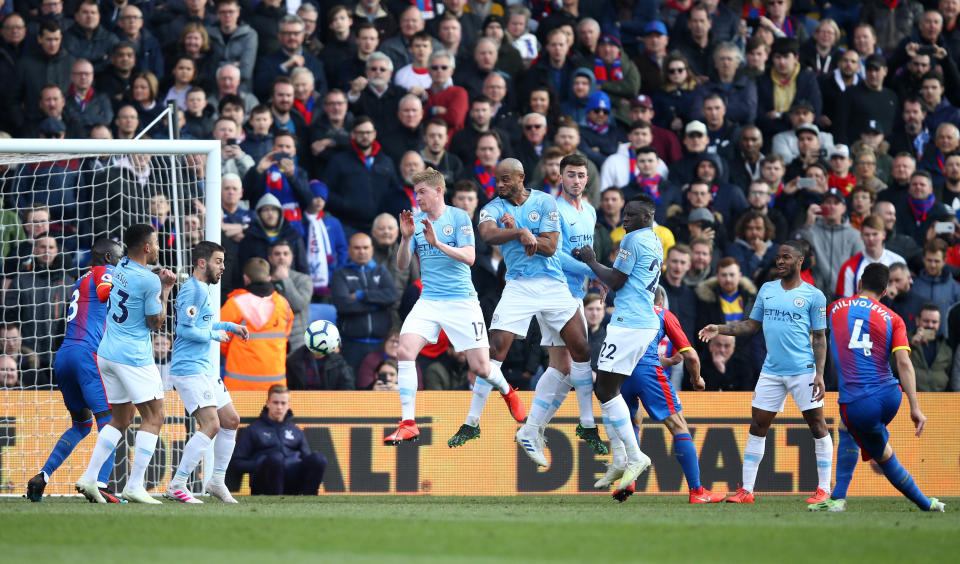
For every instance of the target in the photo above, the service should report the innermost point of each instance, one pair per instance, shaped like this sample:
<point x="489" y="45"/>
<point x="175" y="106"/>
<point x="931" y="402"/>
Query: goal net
<point x="59" y="197"/>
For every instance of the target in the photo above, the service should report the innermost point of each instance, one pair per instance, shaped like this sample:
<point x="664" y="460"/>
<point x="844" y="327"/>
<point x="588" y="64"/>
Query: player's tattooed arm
<point x="744" y="328"/>
<point x="609" y="276"/>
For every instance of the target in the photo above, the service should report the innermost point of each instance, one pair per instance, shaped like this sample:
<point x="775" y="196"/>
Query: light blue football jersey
<point x="576" y="230"/>
<point x="640" y="258"/>
<point x="134" y="296"/>
<point x="444" y="278"/>
<point x="539" y="214"/>
<point x="788" y="316"/>
<point x="195" y="330"/>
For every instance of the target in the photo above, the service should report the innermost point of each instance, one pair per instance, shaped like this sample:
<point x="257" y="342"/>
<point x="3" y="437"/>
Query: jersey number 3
<point x="124" y="312"/>
<point x="860" y="339"/>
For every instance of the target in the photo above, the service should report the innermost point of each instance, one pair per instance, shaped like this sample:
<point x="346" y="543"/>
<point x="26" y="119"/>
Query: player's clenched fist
<point x="584" y="254"/>
<point x="167" y="277"/>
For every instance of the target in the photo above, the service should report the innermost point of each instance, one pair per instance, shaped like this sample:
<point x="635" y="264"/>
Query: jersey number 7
<point x="860" y="339"/>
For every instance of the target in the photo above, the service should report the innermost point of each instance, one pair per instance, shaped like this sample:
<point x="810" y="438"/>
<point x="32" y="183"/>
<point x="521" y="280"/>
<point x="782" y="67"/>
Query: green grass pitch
<point x="386" y="529"/>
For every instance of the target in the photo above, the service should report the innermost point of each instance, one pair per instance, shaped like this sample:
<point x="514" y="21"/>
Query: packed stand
<point x="749" y="123"/>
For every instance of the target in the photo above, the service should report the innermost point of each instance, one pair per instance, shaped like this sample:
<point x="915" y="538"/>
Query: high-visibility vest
<point x="261" y="361"/>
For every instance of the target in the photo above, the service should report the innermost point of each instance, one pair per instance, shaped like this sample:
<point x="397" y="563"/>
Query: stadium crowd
<point x="749" y="122"/>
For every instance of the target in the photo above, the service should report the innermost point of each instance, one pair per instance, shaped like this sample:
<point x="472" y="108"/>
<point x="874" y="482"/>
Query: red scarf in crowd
<point x="486" y="179"/>
<point x="82" y="102"/>
<point x="367" y="160"/>
<point x="306" y="110"/>
<point x="600" y="71"/>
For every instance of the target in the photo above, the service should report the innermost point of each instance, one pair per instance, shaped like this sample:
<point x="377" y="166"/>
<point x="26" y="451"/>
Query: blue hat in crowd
<point x="598" y="101"/>
<point x="655" y="27"/>
<point x="319" y="189"/>
<point x="610" y="34"/>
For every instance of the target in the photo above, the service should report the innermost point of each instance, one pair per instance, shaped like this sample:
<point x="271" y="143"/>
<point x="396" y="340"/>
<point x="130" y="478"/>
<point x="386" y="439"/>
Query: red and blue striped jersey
<point x="87" y="314"/>
<point x="669" y="329"/>
<point x="864" y="334"/>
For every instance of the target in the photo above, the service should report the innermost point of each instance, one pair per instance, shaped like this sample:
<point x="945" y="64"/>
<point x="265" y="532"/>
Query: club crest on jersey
<point x="534" y="216"/>
<point x="447" y="230"/>
<point x="799" y="302"/>
<point x="192" y="311"/>
<point x="288" y="435"/>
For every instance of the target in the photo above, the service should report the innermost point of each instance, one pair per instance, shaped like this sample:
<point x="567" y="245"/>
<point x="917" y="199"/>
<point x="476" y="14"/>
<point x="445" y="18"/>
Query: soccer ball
<point x="322" y="337"/>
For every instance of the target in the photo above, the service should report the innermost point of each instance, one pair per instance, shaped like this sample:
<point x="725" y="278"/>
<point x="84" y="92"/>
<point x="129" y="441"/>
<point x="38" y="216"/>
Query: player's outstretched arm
<point x="465" y="254"/>
<point x="609" y="276"/>
<point x="819" y="358"/>
<point x="743" y="328"/>
<point x="908" y="381"/>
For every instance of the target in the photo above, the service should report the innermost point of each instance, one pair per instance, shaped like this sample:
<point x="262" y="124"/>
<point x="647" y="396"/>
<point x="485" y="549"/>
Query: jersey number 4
<point x="860" y="339"/>
<point x="124" y="312"/>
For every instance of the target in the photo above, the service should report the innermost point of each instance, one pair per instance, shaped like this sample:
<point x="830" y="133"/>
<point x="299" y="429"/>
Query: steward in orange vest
<point x="261" y="361"/>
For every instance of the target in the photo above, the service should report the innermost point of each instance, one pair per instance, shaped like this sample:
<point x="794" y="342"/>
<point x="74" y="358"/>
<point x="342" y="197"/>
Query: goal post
<point x="76" y="191"/>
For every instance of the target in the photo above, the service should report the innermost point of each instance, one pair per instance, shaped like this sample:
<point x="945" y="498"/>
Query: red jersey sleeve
<point x="675" y="332"/>
<point x="103" y="280"/>
<point x="899" y="340"/>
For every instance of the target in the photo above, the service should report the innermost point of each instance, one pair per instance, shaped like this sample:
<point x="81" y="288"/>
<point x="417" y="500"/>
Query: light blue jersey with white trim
<point x="443" y="277"/>
<point x="539" y="214"/>
<point x="788" y="317"/>
<point x="135" y="295"/>
<point x="195" y="329"/>
<point x="641" y="259"/>
<point x="576" y="230"/>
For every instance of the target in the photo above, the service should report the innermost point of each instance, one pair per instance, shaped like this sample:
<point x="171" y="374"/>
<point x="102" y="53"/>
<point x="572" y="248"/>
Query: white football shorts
<point x="546" y="298"/>
<point x="129" y="384"/>
<point x="771" y="392"/>
<point x="461" y="320"/>
<point x="623" y="348"/>
<point x="201" y="390"/>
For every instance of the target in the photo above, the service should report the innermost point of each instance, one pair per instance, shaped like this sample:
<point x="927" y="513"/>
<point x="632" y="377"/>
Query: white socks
<point x="107" y="440"/>
<point x="541" y="410"/>
<point x="752" y="455"/>
<point x="146" y="443"/>
<point x="407" y="386"/>
<point x="581" y="376"/>
<point x="496" y="379"/>
<point x="481" y="390"/>
<point x="616" y="418"/>
<point x="193" y="451"/>
<point x="824" y="449"/>
<point x="222" y="451"/>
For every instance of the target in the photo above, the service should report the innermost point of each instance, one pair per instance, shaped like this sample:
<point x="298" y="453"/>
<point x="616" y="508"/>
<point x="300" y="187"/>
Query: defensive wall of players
<point x="348" y="428"/>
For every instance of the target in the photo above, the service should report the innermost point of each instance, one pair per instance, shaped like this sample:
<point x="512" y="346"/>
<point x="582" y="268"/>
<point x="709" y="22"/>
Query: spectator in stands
<point x="50" y="64"/>
<point x="946" y="140"/>
<point x="930" y="354"/>
<point x="830" y="235"/>
<point x="609" y="218"/>
<point x="407" y="135"/>
<point x="664" y="141"/>
<point x="232" y="157"/>
<point x="368" y="372"/>
<point x="434" y="152"/>
<point x="444" y="99"/>
<point x="114" y="80"/>
<point x="892" y="22"/>
<point x="290" y="56"/>
<point x="697" y="44"/>
<point x="568" y="139"/>
<point x="865" y="166"/>
<point x="901" y="298"/>
<point x="11" y="345"/>
<point x="297" y="289"/>
<point x="374" y="95"/>
<point x="753" y="247"/>
<point x="130" y="28"/>
<point x="51" y="105"/>
<point x="284" y="118"/>
<point x="934" y="283"/>
<point x="199" y="116"/>
<point x="463" y="143"/>
<point x="386" y="245"/>
<point x="229" y="81"/>
<point x="362" y="291"/>
<point x="330" y="131"/>
<point x="275" y="451"/>
<point x="486" y="155"/>
<point x="194" y="44"/>
<point x="820" y="53"/>
<point x="555" y="69"/>
<point x="725" y="369"/>
<point x="87" y="39"/>
<point x="882" y="103"/>
<point x="787" y="143"/>
<point x="397" y="47"/>
<point x="234" y="224"/>
<point x="739" y="92"/>
<point x="472" y="71"/>
<point x="873" y="233"/>
<point x="774" y="89"/>
<point x="719" y="130"/>
<point x="339" y="47"/>
<point x="260" y="362"/>
<point x="840" y="176"/>
<point x="551" y="172"/>
<point x="143" y="93"/>
<point x="360" y="177"/>
<point x="449" y="32"/>
<point x="596" y="326"/>
<point x="681" y="298"/>
<point x="415" y="77"/>
<point x="645" y="177"/>
<point x="37" y="295"/>
<point x="304" y="93"/>
<point x="258" y="141"/>
<point x="701" y="259"/>
<point x="326" y="243"/>
<point x="508" y="57"/>
<point x="279" y="173"/>
<point x="534" y="141"/>
<point x="234" y="42"/>
<point x="673" y="102"/>
<point x="448" y="372"/>
<point x="9" y="376"/>
<point x="616" y="75"/>
<point x="386" y="373"/>
<point x="938" y="109"/>
<point x="582" y="86"/>
<point x="601" y="134"/>
<point x="920" y="208"/>
<point x="727" y="297"/>
<point x="269" y="226"/>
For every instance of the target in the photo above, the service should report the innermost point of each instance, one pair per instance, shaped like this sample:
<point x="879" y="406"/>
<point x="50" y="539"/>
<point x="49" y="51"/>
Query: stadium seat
<point x="323" y="311"/>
